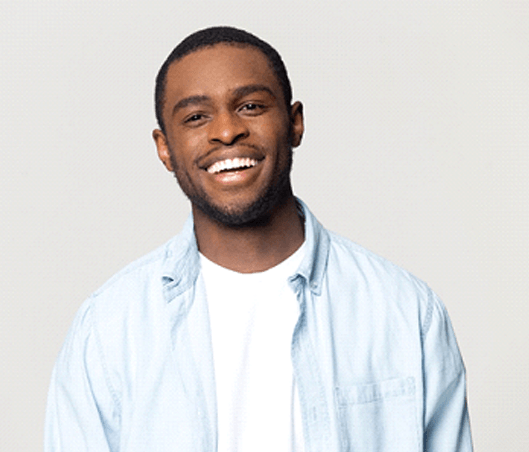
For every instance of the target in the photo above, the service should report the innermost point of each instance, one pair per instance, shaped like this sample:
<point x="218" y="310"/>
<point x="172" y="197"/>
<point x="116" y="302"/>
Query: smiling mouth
<point x="235" y="164"/>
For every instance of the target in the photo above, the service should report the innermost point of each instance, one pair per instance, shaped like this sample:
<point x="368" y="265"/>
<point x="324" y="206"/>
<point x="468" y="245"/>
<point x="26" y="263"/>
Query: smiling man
<point x="255" y="329"/>
<point x="227" y="132"/>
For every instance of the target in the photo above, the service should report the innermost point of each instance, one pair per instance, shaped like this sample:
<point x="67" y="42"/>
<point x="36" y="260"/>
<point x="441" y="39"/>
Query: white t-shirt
<point x="252" y="318"/>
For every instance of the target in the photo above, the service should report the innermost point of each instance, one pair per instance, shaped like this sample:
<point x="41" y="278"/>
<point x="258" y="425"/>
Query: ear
<point x="163" y="149"/>
<point x="296" y="123"/>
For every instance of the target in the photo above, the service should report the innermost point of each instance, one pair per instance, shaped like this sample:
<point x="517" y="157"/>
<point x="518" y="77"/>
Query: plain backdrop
<point x="416" y="147"/>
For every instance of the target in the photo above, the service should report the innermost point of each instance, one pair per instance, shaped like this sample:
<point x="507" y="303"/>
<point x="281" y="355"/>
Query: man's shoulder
<point x="372" y="268"/>
<point x="138" y="271"/>
<point x="128" y="309"/>
<point x="377" y="285"/>
<point x="142" y="279"/>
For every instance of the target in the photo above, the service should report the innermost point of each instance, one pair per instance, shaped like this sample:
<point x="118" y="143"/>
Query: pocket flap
<point x="371" y="392"/>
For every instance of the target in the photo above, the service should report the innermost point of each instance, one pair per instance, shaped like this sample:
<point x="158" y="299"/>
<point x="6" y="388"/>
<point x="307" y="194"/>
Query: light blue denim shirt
<point x="373" y="352"/>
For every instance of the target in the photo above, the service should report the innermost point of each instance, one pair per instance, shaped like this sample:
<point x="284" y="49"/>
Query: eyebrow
<point x="237" y="92"/>
<point x="250" y="89"/>
<point x="191" y="100"/>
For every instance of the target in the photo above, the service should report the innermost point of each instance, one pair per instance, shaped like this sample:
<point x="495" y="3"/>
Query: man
<point x="255" y="329"/>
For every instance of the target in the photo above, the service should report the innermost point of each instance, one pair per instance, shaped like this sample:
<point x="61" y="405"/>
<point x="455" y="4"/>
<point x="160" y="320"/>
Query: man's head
<point x="209" y="37"/>
<point x="228" y="129"/>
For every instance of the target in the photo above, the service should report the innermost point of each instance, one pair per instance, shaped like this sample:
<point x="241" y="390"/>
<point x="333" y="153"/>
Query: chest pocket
<point x="379" y="417"/>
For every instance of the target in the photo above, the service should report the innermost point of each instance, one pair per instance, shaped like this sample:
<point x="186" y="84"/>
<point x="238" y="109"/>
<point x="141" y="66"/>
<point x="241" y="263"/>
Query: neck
<point x="253" y="248"/>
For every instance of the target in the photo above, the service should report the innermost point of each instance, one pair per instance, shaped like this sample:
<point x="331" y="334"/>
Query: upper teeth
<point x="230" y="164"/>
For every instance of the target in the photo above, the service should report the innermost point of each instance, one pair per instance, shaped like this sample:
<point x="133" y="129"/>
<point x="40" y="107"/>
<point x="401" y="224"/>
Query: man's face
<point x="229" y="134"/>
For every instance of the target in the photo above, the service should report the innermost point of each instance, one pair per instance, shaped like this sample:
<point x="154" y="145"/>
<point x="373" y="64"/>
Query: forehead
<point x="218" y="70"/>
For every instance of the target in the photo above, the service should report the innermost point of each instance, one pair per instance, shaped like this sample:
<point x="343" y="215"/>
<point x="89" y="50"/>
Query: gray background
<point x="416" y="147"/>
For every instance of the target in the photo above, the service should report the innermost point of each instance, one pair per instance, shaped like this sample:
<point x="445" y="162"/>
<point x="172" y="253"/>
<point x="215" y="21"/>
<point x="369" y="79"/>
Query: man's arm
<point x="82" y="412"/>
<point x="447" y="426"/>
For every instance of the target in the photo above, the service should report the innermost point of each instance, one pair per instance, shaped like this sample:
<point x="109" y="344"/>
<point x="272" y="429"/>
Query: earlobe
<point x="163" y="150"/>
<point x="298" y="127"/>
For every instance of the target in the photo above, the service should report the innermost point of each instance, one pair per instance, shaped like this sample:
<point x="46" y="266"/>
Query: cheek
<point x="275" y="134"/>
<point x="184" y="150"/>
<point x="283" y="143"/>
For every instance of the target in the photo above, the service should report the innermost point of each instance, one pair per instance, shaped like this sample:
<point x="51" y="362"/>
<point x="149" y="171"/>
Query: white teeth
<point x="230" y="164"/>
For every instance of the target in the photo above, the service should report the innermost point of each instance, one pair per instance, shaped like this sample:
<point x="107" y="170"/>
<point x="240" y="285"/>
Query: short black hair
<point x="209" y="37"/>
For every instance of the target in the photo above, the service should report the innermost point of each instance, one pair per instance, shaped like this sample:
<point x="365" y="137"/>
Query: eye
<point x="252" y="108"/>
<point x="195" y="117"/>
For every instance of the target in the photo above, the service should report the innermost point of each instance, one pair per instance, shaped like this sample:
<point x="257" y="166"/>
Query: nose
<point x="227" y="128"/>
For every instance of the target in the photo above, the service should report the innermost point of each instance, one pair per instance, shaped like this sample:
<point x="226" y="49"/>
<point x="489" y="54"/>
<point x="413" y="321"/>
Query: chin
<point x="255" y="213"/>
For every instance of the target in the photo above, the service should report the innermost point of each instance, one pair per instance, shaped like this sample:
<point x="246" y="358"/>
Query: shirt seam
<point x="106" y="373"/>
<point x="456" y="363"/>
<point x="429" y="315"/>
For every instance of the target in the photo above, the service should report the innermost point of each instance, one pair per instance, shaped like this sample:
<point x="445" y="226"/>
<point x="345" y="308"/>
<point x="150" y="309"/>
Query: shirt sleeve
<point x="447" y="426"/>
<point x="82" y="411"/>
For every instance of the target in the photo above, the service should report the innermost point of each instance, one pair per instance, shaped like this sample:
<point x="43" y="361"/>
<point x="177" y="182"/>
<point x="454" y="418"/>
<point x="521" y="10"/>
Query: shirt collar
<point x="182" y="263"/>
<point x="313" y="266"/>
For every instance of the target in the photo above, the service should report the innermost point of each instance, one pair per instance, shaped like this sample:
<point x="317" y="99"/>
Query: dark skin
<point x="224" y="106"/>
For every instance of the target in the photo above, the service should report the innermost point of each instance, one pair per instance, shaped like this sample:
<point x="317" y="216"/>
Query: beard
<point x="251" y="215"/>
